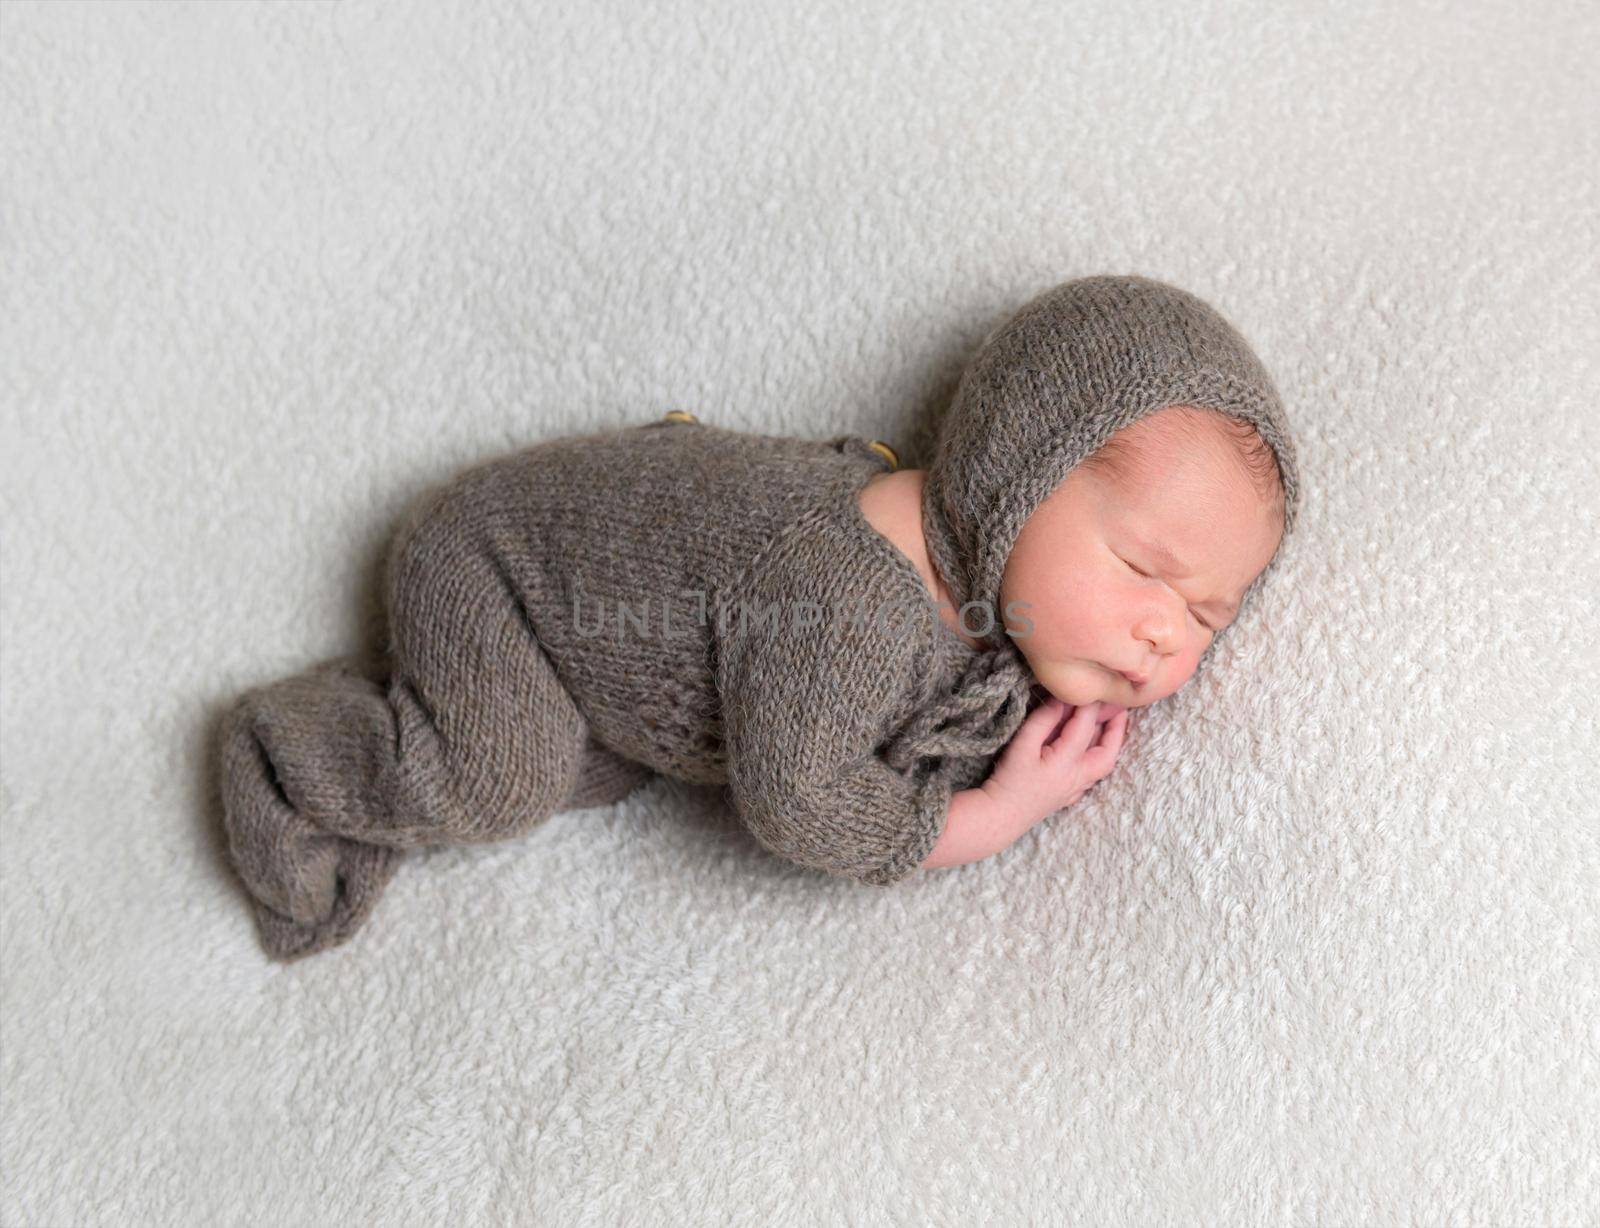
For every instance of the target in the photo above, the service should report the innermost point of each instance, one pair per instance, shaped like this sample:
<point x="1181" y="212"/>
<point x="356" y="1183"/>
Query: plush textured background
<point x="1325" y="949"/>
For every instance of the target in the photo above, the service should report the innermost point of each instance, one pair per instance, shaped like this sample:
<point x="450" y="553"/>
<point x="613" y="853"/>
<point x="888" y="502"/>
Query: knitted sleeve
<point x="826" y="667"/>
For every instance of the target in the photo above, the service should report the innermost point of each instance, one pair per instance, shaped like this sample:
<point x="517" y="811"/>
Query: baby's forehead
<point x="1176" y="431"/>
<point x="1187" y="518"/>
<point x="1141" y="480"/>
<point x="1179" y="455"/>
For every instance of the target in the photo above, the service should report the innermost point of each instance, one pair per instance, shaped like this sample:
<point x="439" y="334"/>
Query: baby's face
<point x="1102" y="598"/>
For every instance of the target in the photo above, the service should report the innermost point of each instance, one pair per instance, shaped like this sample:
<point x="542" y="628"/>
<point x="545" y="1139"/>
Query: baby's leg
<point x="330" y="774"/>
<point x="312" y="889"/>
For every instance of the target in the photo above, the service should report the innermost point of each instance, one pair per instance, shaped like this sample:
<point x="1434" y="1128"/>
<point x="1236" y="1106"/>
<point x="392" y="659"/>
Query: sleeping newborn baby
<point x="885" y="669"/>
<point x="1123" y="577"/>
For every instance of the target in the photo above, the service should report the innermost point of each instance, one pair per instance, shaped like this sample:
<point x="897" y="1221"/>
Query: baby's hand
<point x="1036" y="776"/>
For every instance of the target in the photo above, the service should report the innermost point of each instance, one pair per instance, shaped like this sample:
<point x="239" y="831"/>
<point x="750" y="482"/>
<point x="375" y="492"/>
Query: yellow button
<point x="679" y="415"/>
<point x="885" y="451"/>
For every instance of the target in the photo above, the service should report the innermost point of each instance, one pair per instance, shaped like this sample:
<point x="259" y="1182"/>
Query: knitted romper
<point x="710" y="605"/>
<point x="552" y="648"/>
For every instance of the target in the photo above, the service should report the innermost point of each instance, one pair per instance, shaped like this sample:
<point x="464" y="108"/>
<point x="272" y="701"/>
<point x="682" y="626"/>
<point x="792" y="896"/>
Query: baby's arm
<point x="977" y="826"/>
<point x="805" y="714"/>
<point x="1034" y="777"/>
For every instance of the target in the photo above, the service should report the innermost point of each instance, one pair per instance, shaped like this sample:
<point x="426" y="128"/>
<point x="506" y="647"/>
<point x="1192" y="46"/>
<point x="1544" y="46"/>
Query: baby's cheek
<point x="1076" y="684"/>
<point x="1183" y="670"/>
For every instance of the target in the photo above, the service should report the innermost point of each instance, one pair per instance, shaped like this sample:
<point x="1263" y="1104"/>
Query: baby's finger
<point x="1038" y="724"/>
<point x="1104" y="755"/>
<point x="1077" y="733"/>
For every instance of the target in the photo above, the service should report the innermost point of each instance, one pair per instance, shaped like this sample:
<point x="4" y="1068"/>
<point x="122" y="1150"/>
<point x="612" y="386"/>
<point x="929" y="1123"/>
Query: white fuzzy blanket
<point x="1325" y="949"/>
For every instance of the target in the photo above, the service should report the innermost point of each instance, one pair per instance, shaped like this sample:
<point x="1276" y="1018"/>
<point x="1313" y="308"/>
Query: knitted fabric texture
<point x="567" y="621"/>
<point x="1049" y="386"/>
<point x="677" y="598"/>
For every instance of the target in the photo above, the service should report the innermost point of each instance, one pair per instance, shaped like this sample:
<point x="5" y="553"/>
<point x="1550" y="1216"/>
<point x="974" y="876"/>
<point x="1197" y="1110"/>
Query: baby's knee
<point x="434" y="570"/>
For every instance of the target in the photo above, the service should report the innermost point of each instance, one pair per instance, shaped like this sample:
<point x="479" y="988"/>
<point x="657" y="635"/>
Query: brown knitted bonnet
<point x="1074" y="365"/>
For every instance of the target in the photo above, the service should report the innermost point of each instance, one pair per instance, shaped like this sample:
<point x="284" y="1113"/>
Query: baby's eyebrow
<point x="1176" y="568"/>
<point x="1166" y="558"/>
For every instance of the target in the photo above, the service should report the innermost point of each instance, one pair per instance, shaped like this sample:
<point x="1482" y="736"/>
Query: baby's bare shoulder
<point x="892" y="504"/>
